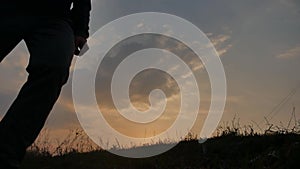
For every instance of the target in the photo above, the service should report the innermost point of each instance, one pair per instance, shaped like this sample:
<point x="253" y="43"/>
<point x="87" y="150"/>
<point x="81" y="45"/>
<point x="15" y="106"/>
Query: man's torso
<point x="35" y="7"/>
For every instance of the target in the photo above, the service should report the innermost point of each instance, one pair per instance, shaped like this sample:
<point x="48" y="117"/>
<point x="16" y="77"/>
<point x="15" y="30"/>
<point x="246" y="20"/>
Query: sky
<point x="258" y="43"/>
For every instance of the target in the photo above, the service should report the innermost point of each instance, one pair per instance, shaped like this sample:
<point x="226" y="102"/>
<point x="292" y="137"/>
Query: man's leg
<point x="11" y="31"/>
<point x="51" y="47"/>
<point x="10" y="35"/>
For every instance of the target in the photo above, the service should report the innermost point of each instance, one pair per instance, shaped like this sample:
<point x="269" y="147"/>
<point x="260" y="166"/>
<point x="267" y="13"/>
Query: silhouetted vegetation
<point x="233" y="147"/>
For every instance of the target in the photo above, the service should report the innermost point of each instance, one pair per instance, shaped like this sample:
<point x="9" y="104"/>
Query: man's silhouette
<point x="53" y="31"/>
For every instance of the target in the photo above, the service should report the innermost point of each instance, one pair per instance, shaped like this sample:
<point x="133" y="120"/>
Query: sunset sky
<point x="258" y="42"/>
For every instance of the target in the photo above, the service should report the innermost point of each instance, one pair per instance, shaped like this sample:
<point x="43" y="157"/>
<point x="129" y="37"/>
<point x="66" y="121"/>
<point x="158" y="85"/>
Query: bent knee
<point x="53" y="74"/>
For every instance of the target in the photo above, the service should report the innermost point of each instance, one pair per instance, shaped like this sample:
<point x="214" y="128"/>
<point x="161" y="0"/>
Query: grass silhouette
<point x="233" y="147"/>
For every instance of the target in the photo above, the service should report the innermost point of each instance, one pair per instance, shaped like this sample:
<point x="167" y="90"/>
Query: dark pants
<point x="50" y="42"/>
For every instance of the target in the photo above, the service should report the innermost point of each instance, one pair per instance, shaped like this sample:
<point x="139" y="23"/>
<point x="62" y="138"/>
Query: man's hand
<point x="79" y="44"/>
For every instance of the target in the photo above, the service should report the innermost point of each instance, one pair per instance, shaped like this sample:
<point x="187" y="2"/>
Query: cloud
<point x="290" y="53"/>
<point x="12" y="70"/>
<point x="221" y="43"/>
<point x="18" y="57"/>
<point x="219" y="39"/>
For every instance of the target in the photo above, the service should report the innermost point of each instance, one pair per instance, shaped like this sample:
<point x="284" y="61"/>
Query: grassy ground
<point x="228" y="151"/>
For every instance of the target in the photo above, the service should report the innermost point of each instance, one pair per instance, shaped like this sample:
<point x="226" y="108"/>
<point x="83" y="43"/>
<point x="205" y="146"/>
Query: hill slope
<point x="280" y="151"/>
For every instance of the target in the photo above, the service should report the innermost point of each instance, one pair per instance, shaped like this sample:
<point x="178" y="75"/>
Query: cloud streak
<point x="290" y="53"/>
<point x="221" y="43"/>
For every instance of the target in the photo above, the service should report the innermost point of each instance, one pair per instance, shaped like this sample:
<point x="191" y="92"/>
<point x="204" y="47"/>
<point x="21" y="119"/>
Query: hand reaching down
<point x="80" y="47"/>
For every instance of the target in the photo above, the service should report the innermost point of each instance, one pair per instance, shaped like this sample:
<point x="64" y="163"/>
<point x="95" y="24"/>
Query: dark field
<point x="228" y="151"/>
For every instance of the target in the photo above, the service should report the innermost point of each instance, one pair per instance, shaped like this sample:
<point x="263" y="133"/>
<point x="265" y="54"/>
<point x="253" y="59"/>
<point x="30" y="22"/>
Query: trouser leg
<point x="29" y="111"/>
<point x="10" y="36"/>
<point x="51" y="47"/>
<point x="7" y="46"/>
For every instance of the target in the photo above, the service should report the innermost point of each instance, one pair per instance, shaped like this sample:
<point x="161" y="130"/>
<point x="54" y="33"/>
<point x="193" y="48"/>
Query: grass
<point x="233" y="147"/>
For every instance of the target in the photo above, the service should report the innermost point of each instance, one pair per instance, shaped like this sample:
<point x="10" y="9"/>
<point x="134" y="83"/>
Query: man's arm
<point x="80" y="17"/>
